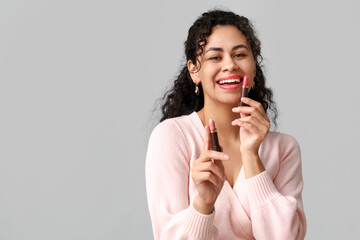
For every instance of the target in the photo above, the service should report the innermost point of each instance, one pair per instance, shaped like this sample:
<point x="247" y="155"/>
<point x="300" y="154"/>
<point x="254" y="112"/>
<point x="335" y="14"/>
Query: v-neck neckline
<point x="200" y="127"/>
<point x="239" y="178"/>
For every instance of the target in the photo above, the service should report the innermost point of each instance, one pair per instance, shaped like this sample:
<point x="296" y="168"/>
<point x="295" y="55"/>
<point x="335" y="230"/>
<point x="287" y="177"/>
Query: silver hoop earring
<point x="197" y="90"/>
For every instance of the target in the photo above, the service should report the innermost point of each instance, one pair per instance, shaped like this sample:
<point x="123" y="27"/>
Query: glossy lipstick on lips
<point x="244" y="90"/>
<point x="214" y="137"/>
<point x="230" y="82"/>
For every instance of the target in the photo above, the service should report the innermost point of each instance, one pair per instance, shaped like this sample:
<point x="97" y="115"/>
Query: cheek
<point x="208" y="73"/>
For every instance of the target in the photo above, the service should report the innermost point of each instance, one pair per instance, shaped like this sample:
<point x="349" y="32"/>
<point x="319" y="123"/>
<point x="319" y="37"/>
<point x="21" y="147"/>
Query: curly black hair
<point x="181" y="99"/>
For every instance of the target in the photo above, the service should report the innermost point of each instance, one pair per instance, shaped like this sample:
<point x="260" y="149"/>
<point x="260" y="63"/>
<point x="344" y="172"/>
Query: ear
<point x="193" y="70"/>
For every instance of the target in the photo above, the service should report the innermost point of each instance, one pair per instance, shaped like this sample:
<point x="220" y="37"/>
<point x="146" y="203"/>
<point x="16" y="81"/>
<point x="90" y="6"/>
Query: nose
<point x="230" y="64"/>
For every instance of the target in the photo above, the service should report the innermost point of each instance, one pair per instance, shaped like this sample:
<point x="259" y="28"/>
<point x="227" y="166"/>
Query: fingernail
<point x="234" y="109"/>
<point x="226" y="156"/>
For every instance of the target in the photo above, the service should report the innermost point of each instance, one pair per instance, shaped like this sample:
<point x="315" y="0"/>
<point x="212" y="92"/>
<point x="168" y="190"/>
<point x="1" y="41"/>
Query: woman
<point x="250" y="190"/>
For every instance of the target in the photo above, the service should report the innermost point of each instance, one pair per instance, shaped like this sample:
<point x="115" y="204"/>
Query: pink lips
<point x="229" y="86"/>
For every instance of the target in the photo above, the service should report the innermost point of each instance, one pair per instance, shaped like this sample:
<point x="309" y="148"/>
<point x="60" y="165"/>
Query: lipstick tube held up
<point x="244" y="90"/>
<point x="214" y="137"/>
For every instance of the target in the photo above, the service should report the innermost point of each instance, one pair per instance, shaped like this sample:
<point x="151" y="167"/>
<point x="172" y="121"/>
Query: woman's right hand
<point x="208" y="176"/>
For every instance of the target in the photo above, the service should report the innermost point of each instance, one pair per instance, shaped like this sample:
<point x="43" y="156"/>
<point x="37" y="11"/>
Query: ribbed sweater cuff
<point x="197" y="224"/>
<point x="261" y="190"/>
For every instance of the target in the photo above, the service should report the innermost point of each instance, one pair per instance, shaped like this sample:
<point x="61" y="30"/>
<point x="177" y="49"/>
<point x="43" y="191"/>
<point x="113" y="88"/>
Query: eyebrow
<point x="222" y="50"/>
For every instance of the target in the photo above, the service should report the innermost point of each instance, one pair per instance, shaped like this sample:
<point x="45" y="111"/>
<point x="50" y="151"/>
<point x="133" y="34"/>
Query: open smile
<point x="230" y="82"/>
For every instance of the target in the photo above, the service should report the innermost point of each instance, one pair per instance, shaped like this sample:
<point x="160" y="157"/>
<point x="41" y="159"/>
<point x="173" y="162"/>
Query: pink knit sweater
<point x="266" y="206"/>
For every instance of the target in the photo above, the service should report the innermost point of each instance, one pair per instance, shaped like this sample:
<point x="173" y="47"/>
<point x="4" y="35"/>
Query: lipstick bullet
<point x="244" y="90"/>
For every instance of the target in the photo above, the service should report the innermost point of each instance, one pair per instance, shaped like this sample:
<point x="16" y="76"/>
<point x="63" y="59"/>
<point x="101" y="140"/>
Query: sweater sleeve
<point x="167" y="182"/>
<point x="276" y="206"/>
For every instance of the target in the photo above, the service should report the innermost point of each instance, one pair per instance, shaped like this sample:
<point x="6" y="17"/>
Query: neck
<point x="223" y="115"/>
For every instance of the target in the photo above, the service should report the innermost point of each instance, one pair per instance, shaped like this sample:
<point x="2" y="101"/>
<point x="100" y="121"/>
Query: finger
<point x="220" y="165"/>
<point x="207" y="176"/>
<point x="252" y="114"/>
<point x="249" y="101"/>
<point x="251" y="119"/>
<point x="255" y="104"/>
<point x="252" y="128"/>
<point x="207" y="143"/>
<point x="261" y="123"/>
<point x="242" y="115"/>
<point x="255" y="129"/>
<point x="214" y="168"/>
<point x="252" y="111"/>
<point x="258" y="106"/>
<point x="248" y="110"/>
<point x="245" y="111"/>
<point x="215" y="155"/>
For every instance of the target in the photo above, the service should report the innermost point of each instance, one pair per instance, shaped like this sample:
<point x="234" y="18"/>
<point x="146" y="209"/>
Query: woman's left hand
<point x="254" y="125"/>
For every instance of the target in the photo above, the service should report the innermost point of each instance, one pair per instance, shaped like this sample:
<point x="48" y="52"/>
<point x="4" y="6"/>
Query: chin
<point x="231" y="101"/>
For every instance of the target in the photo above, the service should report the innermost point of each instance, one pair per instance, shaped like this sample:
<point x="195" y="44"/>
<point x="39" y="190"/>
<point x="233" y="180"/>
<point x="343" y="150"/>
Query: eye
<point x="215" y="58"/>
<point x="238" y="55"/>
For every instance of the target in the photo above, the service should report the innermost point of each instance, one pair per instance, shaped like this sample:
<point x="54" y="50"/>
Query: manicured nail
<point x="226" y="156"/>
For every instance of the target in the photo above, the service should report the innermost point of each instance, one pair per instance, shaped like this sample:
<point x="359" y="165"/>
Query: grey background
<point x="79" y="81"/>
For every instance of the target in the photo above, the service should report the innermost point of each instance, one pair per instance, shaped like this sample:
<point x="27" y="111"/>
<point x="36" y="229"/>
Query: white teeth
<point x="229" y="81"/>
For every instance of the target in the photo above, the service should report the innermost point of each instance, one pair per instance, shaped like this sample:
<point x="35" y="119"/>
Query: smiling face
<point x="226" y="59"/>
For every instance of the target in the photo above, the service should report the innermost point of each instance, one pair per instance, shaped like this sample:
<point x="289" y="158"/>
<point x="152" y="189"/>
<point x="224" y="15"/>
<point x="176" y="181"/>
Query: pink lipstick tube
<point x="244" y="90"/>
<point x="214" y="137"/>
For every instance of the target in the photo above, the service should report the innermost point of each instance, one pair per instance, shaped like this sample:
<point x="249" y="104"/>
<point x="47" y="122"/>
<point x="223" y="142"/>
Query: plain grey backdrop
<point x="79" y="81"/>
